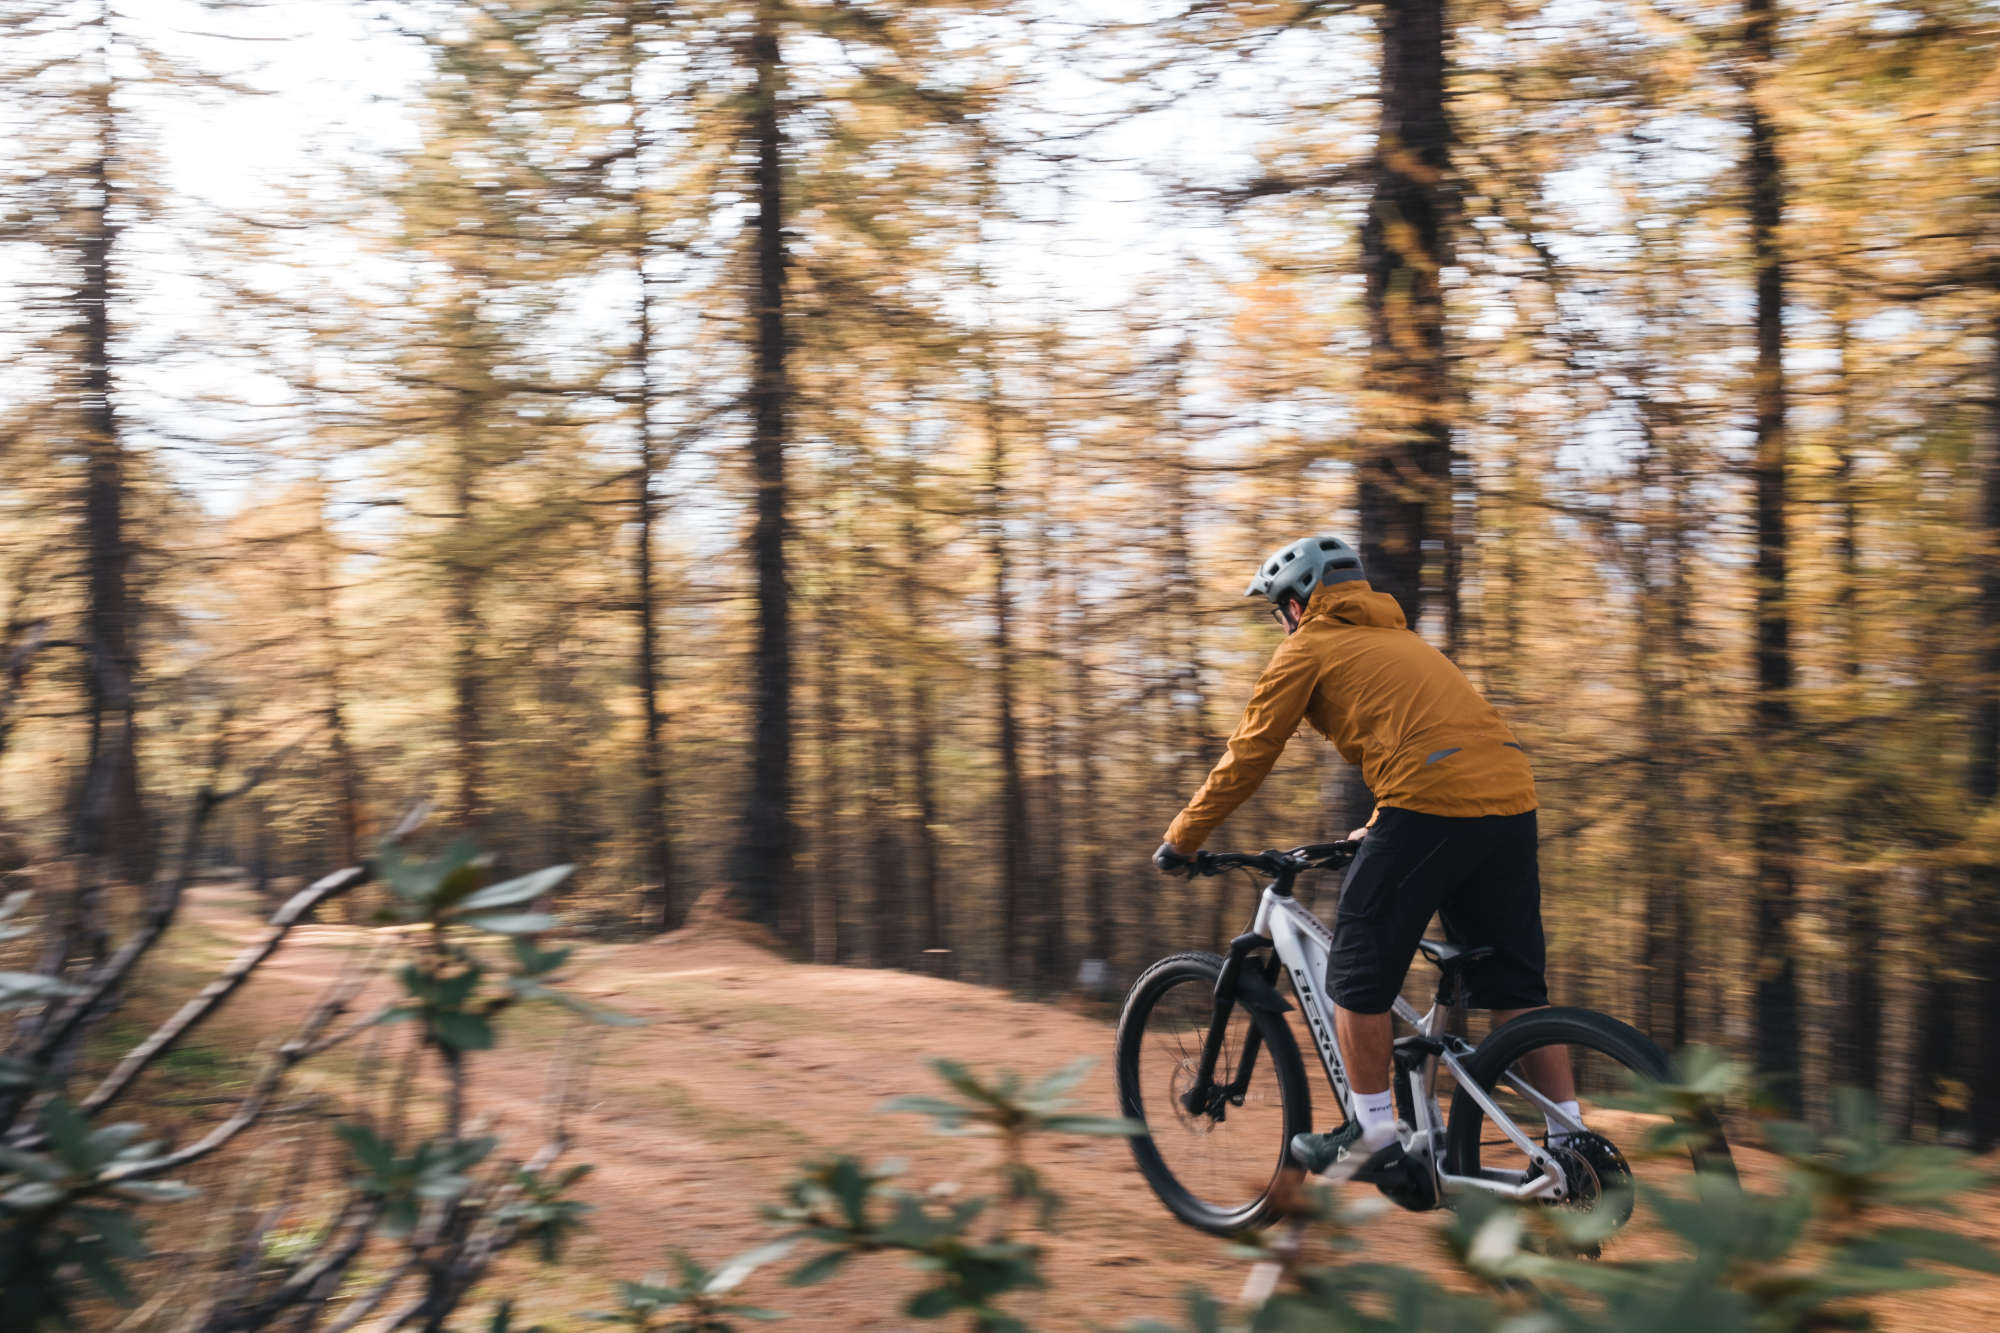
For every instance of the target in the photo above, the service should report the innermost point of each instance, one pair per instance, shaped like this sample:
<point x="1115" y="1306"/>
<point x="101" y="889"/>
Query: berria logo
<point x="1321" y="1034"/>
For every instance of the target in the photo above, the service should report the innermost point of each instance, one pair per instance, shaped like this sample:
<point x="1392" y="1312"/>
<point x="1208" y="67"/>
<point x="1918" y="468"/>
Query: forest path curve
<point x="749" y="1064"/>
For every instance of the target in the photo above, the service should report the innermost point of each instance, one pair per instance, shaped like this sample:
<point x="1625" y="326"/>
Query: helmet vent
<point x="1291" y="574"/>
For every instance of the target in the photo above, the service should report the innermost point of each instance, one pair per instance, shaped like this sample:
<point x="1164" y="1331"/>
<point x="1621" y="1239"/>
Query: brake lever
<point x="1344" y="851"/>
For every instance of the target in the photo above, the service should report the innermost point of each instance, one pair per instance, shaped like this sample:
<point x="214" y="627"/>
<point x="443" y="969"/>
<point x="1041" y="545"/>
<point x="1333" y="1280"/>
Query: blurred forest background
<point x="816" y="447"/>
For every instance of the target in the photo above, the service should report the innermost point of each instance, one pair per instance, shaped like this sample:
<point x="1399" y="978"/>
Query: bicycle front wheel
<point x="1219" y="1171"/>
<point x="1605" y="1058"/>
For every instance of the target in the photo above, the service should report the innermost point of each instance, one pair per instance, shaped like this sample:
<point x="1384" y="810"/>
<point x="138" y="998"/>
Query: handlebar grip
<point x="1320" y="855"/>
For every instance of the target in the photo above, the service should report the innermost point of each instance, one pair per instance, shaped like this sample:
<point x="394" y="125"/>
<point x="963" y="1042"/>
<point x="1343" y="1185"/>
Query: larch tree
<point x="763" y="863"/>
<point x="1776" y="837"/>
<point x="1403" y="490"/>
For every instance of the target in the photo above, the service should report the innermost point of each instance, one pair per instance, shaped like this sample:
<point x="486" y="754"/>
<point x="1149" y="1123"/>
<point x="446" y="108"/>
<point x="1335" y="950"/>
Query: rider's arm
<point x="1269" y="719"/>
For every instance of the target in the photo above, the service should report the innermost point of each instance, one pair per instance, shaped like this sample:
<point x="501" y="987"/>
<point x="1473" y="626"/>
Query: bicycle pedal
<point x="1405" y="1181"/>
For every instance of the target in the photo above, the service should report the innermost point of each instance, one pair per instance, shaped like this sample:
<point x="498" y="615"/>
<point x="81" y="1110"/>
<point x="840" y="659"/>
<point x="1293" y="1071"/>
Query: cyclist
<point x="1453" y="831"/>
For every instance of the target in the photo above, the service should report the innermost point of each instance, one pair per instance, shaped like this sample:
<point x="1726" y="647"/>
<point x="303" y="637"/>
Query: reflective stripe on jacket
<point x="1387" y="700"/>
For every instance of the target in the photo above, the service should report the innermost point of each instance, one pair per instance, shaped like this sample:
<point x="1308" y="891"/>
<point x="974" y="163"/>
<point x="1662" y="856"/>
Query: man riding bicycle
<point x="1453" y="830"/>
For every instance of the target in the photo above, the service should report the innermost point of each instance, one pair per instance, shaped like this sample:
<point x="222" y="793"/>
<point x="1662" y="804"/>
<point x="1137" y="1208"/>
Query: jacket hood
<point x="1355" y="603"/>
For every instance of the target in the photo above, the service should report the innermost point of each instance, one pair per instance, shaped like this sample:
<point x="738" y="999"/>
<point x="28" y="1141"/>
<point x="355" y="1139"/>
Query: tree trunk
<point x="1984" y="771"/>
<point x="346" y="776"/>
<point x="825" y="933"/>
<point x="1461" y="530"/>
<point x="1848" y="544"/>
<point x="1858" y="1050"/>
<point x="464" y="612"/>
<point x="1187" y="710"/>
<point x="1015" y="835"/>
<point x="1776" y="836"/>
<point x="1404" y="491"/>
<point x="763" y="861"/>
<point x="889" y="903"/>
<point x="1085" y="740"/>
<point x="1680" y="649"/>
<point x="1017" y="893"/>
<point x="1084" y="721"/>
<point x="562" y="745"/>
<point x="921" y="740"/>
<point x="1658" y="957"/>
<point x="1661" y="645"/>
<point x="110" y="817"/>
<point x="664" y="910"/>
<point x="1938" y="1042"/>
<point x="1052" y="953"/>
<point x="1187" y="738"/>
<point x="1504" y="669"/>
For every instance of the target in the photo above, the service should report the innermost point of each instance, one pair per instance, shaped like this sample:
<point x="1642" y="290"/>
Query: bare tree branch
<point x="220" y="989"/>
<point x="304" y="1043"/>
<point x="347" y="1237"/>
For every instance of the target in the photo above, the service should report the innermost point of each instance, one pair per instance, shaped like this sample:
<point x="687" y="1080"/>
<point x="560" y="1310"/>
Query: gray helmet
<point x="1302" y="566"/>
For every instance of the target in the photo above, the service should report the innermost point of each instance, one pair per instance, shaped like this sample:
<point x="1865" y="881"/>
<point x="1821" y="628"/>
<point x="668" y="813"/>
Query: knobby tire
<point x="1279" y="1047"/>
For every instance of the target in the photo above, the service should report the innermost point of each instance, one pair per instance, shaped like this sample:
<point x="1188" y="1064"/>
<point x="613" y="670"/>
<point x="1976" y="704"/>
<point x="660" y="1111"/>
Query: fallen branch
<point x="306" y="1042"/>
<point x="163" y="906"/>
<point x="346" y="1238"/>
<point x="215" y="992"/>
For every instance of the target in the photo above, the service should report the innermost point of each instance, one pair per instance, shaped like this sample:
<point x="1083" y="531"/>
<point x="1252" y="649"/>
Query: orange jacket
<point x="1387" y="700"/>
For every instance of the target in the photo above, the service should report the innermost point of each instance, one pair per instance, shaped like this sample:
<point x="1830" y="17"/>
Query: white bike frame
<point x="1304" y="945"/>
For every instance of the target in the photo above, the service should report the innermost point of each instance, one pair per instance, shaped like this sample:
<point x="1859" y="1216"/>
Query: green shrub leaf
<point x="510" y="923"/>
<point x="818" y="1269"/>
<point x="514" y="892"/>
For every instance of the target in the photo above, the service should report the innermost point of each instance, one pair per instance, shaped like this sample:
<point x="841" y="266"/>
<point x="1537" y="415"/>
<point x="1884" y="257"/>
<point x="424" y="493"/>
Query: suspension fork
<point x="1204" y="1098"/>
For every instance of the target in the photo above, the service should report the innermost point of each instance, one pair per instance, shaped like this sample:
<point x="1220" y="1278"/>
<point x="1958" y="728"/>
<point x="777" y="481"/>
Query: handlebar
<point x="1281" y="865"/>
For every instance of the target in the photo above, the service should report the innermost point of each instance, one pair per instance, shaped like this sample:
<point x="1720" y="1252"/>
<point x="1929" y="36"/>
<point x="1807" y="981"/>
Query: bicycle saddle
<point x="1446" y="954"/>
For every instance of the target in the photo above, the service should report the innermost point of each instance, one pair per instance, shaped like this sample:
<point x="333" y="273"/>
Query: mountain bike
<point x="1208" y="1061"/>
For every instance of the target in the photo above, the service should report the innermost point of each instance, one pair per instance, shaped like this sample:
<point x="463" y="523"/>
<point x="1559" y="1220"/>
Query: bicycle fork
<point x="1205" y="1098"/>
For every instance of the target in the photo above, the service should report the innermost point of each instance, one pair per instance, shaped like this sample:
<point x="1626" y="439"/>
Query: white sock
<point x="1377" y="1113"/>
<point x="1570" y="1109"/>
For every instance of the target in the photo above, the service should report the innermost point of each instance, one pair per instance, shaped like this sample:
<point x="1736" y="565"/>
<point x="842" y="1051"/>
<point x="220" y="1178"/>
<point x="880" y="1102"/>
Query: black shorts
<point x="1479" y="875"/>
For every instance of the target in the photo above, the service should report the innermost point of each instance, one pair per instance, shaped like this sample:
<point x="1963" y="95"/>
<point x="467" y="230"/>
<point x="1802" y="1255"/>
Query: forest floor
<point x="749" y="1064"/>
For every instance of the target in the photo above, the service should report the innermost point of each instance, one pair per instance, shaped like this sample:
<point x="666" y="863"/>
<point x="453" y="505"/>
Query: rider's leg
<point x="1502" y="908"/>
<point x="1370" y="1139"/>
<point x="1365" y="1044"/>
<point x="1548" y="1068"/>
<point x="1405" y="867"/>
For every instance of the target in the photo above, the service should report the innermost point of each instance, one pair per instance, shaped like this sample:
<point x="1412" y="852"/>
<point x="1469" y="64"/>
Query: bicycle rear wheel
<point x="1606" y="1057"/>
<point x="1218" y="1172"/>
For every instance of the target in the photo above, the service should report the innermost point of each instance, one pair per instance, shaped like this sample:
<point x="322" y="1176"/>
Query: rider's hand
<point x="1169" y="860"/>
<point x="1358" y="834"/>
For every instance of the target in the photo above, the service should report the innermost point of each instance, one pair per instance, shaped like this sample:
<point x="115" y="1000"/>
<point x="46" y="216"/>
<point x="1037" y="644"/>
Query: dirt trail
<point x="749" y="1064"/>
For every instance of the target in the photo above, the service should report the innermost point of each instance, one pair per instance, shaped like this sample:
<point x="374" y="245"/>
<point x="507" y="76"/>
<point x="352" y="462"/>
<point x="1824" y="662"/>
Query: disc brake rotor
<point x="1598" y="1183"/>
<point x="1609" y="1177"/>
<point x="1180" y="1085"/>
